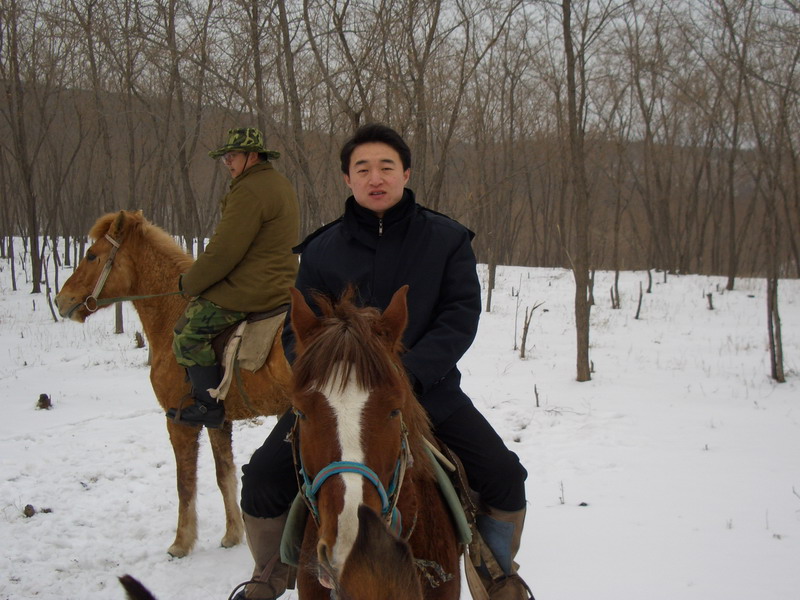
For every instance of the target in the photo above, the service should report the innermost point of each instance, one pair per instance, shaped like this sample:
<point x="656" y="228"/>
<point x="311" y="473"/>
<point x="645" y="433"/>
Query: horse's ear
<point x="395" y="317"/>
<point x="304" y="321"/>
<point x="115" y="231"/>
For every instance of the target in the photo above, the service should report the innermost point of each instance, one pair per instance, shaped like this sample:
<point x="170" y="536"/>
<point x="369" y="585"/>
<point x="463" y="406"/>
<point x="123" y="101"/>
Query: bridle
<point x="92" y="302"/>
<point x="432" y="571"/>
<point x="309" y="488"/>
<point x="101" y="281"/>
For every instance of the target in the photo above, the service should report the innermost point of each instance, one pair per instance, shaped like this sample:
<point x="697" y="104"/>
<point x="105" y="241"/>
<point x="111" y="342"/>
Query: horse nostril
<point x="327" y="574"/>
<point x="323" y="554"/>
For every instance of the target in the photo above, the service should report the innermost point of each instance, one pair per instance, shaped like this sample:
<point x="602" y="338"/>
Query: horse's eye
<point x="90" y="256"/>
<point x="394" y="413"/>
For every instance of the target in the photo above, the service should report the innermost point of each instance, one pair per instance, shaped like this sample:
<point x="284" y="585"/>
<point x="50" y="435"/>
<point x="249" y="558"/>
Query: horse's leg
<point x="221" y="446"/>
<point x="185" y="446"/>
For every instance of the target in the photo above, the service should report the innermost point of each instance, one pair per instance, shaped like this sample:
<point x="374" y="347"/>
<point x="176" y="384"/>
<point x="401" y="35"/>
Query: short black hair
<point x="375" y="132"/>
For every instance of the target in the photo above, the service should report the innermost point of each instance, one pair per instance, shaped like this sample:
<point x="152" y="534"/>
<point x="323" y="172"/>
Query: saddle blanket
<point x="247" y="348"/>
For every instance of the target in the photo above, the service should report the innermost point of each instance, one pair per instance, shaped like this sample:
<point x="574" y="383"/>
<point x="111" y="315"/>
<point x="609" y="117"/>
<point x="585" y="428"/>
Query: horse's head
<point x="354" y="406"/>
<point x="94" y="274"/>
<point x="112" y="264"/>
<point x="380" y="565"/>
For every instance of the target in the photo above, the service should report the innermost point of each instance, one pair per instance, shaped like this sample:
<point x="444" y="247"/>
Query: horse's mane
<point x="348" y="339"/>
<point x="136" y="226"/>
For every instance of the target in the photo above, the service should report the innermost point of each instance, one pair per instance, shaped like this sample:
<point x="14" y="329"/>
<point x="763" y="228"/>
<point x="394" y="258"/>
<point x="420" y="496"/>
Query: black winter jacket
<point x="410" y="245"/>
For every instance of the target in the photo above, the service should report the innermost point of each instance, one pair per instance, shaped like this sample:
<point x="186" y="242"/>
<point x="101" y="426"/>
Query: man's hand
<point x="180" y="289"/>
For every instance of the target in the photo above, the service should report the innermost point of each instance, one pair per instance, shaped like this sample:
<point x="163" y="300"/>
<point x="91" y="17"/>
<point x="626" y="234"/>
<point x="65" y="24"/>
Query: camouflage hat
<point x="244" y="139"/>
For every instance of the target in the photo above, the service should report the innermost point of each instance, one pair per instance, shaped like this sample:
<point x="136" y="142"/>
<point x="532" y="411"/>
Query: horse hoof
<point x="229" y="541"/>
<point x="176" y="551"/>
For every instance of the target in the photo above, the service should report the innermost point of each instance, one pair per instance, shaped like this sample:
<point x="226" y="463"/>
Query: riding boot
<point x="205" y="410"/>
<point x="271" y="577"/>
<point x="501" y="532"/>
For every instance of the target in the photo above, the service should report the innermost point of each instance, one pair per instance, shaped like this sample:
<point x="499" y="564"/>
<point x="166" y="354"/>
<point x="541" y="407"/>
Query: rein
<point x="309" y="488"/>
<point x="92" y="302"/>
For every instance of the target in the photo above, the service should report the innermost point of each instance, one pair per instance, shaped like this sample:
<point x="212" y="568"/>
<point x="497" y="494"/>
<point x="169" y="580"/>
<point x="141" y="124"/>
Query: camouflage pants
<point x="200" y="323"/>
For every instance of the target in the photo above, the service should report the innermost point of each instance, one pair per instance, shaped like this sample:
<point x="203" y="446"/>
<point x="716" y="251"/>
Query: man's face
<point x="376" y="177"/>
<point x="236" y="162"/>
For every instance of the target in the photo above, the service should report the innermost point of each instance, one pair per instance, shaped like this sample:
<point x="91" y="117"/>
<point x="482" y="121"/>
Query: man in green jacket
<point x="248" y="266"/>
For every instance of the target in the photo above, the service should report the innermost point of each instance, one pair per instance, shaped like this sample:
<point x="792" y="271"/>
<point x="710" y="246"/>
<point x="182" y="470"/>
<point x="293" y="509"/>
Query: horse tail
<point x="134" y="589"/>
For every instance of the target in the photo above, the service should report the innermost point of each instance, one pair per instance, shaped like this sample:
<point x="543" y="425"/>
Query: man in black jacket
<point x="385" y="240"/>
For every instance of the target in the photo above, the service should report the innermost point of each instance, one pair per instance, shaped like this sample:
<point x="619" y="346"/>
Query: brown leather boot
<point x="501" y="532"/>
<point x="264" y="541"/>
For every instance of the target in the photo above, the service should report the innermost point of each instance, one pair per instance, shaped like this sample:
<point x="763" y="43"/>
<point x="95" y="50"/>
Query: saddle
<point x="246" y="345"/>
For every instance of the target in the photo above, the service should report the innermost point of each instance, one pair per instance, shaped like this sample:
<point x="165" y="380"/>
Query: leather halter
<point x="101" y="281"/>
<point x="309" y="488"/>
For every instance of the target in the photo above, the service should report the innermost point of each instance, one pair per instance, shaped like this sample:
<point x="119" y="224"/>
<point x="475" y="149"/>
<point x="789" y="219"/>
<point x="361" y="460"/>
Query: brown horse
<point x="146" y="261"/>
<point x="379" y="566"/>
<point x="361" y="438"/>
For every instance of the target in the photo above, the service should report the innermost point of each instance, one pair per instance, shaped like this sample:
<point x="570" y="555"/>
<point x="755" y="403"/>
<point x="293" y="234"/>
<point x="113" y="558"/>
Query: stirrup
<point x="239" y="592"/>
<point x="174" y="414"/>
<point x="494" y="585"/>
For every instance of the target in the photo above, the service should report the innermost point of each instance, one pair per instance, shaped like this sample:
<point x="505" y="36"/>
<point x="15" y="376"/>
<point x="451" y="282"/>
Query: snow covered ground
<point x="673" y="474"/>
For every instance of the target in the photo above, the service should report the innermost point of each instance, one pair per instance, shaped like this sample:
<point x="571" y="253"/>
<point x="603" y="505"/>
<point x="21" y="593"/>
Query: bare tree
<point x="580" y="190"/>
<point x="296" y="142"/>
<point x="33" y="75"/>
<point x="579" y="35"/>
<point x="771" y="102"/>
<point x="636" y="147"/>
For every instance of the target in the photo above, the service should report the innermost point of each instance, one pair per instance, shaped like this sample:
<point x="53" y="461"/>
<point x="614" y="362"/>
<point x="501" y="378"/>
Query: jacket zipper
<point x="380" y="227"/>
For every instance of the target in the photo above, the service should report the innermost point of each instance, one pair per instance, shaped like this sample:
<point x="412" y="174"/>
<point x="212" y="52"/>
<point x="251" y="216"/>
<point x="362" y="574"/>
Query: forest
<point x="603" y="134"/>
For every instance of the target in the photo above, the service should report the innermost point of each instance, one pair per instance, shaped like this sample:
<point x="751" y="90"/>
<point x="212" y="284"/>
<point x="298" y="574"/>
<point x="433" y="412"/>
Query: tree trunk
<point x="580" y="193"/>
<point x="774" y="327"/>
<point x="490" y="284"/>
<point x="13" y="262"/>
<point x="119" y="327"/>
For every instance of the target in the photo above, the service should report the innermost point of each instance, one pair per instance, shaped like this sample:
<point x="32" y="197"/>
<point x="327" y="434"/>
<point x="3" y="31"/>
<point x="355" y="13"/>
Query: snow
<point x="673" y="473"/>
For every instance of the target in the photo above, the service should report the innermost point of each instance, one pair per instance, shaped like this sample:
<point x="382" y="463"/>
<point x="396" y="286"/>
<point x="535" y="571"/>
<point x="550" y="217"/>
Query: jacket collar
<point x="358" y="217"/>
<point x="262" y="166"/>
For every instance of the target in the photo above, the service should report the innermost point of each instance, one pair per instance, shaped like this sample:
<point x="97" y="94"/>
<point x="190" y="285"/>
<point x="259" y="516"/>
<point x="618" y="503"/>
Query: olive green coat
<point x="248" y="265"/>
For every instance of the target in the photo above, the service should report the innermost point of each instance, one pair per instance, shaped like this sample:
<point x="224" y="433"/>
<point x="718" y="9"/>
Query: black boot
<point x="205" y="410"/>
